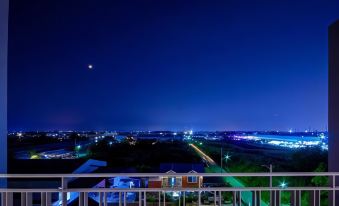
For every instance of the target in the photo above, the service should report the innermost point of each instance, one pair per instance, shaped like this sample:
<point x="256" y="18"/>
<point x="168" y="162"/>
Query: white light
<point x="90" y="66"/>
<point x="175" y="194"/>
<point x="283" y="184"/>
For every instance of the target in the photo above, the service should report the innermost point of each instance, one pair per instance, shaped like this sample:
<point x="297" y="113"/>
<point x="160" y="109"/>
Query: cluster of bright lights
<point x="298" y="144"/>
<point x="285" y="143"/>
<point x="190" y="132"/>
<point x="248" y="137"/>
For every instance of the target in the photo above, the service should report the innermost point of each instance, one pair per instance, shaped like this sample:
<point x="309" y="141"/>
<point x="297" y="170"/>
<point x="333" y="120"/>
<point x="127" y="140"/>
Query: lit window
<point x="171" y="181"/>
<point x="192" y="179"/>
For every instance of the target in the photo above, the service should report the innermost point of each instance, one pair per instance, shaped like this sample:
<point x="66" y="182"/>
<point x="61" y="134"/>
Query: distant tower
<point x="333" y="101"/>
<point x="3" y="86"/>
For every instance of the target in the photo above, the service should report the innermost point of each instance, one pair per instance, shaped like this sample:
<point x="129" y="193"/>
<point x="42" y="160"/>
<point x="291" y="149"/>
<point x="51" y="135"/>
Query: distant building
<point x="333" y="101"/>
<point x="193" y="181"/>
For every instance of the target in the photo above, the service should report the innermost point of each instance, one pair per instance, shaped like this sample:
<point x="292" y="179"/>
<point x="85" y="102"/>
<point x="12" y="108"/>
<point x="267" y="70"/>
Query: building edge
<point x="4" y="12"/>
<point x="333" y="104"/>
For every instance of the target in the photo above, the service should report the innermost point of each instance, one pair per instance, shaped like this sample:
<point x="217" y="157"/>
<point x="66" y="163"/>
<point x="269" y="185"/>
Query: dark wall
<point x="3" y="84"/>
<point x="333" y="113"/>
<point x="333" y="107"/>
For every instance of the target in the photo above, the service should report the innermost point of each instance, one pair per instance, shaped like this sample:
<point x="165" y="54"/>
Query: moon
<point x="90" y="66"/>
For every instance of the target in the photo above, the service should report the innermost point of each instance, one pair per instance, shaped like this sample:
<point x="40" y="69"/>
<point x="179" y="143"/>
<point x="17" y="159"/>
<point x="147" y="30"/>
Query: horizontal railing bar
<point x="273" y="174"/>
<point x="207" y="189"/>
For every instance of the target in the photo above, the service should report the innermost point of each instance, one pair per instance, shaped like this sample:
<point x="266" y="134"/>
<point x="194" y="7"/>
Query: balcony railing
<point x="25" y="190"/>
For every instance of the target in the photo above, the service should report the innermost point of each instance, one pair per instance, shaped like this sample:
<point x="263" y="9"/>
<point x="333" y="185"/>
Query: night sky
<point x="157" y="65"/>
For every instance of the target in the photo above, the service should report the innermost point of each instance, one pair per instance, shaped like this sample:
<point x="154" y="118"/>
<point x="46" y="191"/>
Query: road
<point x="245" y="196"/>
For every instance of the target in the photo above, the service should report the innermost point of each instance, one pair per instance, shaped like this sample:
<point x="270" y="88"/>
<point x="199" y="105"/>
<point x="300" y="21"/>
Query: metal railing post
<point x="164" y="198"/>
<point x="145" y="198"/>
<point x="333" y="189"/>
<point x="220" y="198"/>
<point x="29" y="199"/>
<point x="179" y="200"/>
<point x="43" y="198"/>
<point x="63" y="194"/>
<point x="254" y="198"/>
<point x="85" y="199"/>
<point x="23" y="199"/>
<point x="259" y="198"/>
<point x="319" y="198"/>
<point x="159" y="198"/>
<point x="278" y="197"/>
<point x="184" y="199"/>
<point x="239" y="198"/>
<point x="3" y="198"/>
<point x="48" y="199"/>
<point x="9" y="198"/>
<point x="105" y="199"/>
<point x="315" y="198"/>
<point x="199" y="198"/>
<point x="81" y="199"/>
<point x="140" y="198"/>
<point x="120" y="199"/>
<point x="101" y="198"/>
<point x="125" y="198"/>
<point x="215" y="198"/>
<point x="234" y="202"/>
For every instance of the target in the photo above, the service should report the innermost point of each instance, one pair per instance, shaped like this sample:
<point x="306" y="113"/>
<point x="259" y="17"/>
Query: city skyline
<point x="168" y="66"/>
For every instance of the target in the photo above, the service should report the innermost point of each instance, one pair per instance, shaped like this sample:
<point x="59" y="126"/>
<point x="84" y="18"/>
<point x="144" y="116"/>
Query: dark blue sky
<point x="201" y="65"/>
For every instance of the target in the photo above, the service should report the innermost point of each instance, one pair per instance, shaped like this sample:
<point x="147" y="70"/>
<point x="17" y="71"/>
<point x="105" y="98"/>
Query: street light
<point x="283" y="184"/>
<point x="227" y="157"/>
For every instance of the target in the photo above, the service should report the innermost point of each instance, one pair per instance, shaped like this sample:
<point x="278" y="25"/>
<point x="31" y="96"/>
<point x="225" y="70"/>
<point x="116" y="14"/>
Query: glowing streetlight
<point x="78" y="147"/>
<point x="227" y="157"/>
<point x="283" y="184"/>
